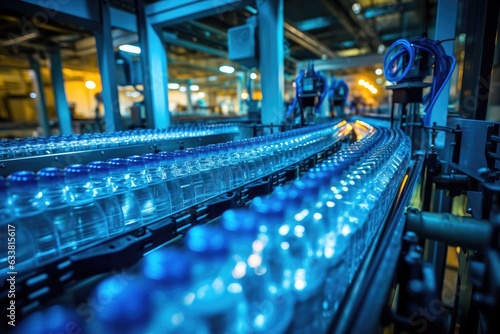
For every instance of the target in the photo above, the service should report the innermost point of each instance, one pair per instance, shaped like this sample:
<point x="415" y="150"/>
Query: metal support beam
<point x="142" y="32"/>
<point x="62" y="108"/>
<point x="41" y="105"/>
<point x="168" y="13"/>
<point x="272" y="59"/>
<point x="189" y="97"/>
<point x="308" y="42"/>
<point x="156" y="78"/>
<point x="446" y="22"/>
<point x="480" y="19"/>
<point x="107" y="68"/>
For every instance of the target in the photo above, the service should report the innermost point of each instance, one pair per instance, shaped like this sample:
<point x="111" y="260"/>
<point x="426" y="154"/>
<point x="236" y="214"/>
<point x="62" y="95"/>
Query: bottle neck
<point x="121" y="183"/>
<point x="26" y="202"/>
<point x="80" y="193"/>
<point x="139" y="179"/>
<point x="102" y="187"/>
<point x="55" y="197"/>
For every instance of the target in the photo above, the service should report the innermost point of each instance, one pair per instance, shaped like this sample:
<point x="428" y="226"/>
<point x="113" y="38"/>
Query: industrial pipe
<point x="457" y="231"/>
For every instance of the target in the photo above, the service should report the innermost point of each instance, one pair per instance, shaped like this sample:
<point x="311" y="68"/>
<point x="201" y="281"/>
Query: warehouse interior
<point x="250" y="166"/>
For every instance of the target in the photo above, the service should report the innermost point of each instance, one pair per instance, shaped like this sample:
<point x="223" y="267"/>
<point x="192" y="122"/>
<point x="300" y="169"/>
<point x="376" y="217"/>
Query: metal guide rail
<point x="363" y="306"/>
<point x="51" y="280"/>
<point x="61" y="160"/>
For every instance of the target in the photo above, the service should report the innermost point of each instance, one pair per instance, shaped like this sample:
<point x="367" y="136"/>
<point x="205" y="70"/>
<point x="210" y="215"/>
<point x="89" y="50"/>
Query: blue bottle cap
<point x="55" y="319"/>
<point x="207" y="241"/>
<point x="136" y="163"/>
<point x="126" y="303"/>
<point x="76" y="173"/>
<point x="98" y="169"/>
<point x="23" y="179"/>
<point x="167" y="267"/>
<point x="271" y="209"/>
<point x="51" y="176"/>
<point x="118" y="165"/>
<point x="240" y="221"/>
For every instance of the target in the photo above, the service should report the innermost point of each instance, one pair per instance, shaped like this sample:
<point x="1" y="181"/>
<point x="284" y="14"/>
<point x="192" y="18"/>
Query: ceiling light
<point x="194" y="88"/>
<point x="244" y="95"/>
<point x="370" y="87"/>
<point x="381" y="49"/>
<point x="380" y="81"/>
<point x="361" y="82"/>
<point x="379" y="71"/>
<point x="130" y="48"/>
<point x="212" y="78"/>
<point x="173" y="85"/>
<point x="226" y="69"/>
<point x="182" y="88"/>
<point x="374" y="90"/>
<point x="33" y="95"/>
<point x="356" y="8"/>
<point x="366" y="84"/>
<point x="90" y="84"/>
<point x="253" y="76"/>
<point x="200" y="95"/>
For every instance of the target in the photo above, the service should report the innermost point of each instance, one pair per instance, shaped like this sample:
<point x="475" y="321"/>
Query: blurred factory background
<point x="346" y="39"/>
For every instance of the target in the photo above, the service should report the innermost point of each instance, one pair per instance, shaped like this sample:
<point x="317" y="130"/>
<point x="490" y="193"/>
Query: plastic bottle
<point x="167" y="273"/>
<point x="120" y="180"/>
<point x="213" y="298"/>
<point x="104" y="195"/>
<point x="191" y="183"/>
<point x="27" y="207"/>
<point x="173" y="183"/>
<point x="268" y="307"/>
<point x="139" y="180"/>
<point x="56" y="199"/>
<point x="55" y="319"/>
<point x="158" y="185"/>
<point x="200" y="161"/>
<point x="125" y="306"/>
<point x="86" y="215"/>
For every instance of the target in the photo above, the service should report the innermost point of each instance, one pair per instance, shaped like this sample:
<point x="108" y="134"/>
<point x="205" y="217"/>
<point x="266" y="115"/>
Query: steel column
<point x="446" y="21"/>
<point x="272" y="59"/>
<point x="107" y="69"/>
<point x="62" y="108"/>
<point x="41" y="105"/>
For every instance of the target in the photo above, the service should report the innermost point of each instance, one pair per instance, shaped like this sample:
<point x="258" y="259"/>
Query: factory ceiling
<point x="314" y="29"/>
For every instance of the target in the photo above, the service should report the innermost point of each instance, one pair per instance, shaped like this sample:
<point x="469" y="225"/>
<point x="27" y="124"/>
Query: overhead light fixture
<point x="356" y="8"/>
<point x="379" y="71"/>
<point x="130" y="48"/>
<point x="253" y="76"/>
<point x="361" y="82"/>
<point x="380" y="81"/>
<point x="374" y="90"/>
<point x="200" y="95"/>
<point x="194" y="88"/>
<point x="90" y="84"/>
<point x="380" y="49"/>
<point x="212" y="78"/>
<point x="370" y="87"/>
<point x="173" y="85"/>
<point x="366" y="84"/>
<point x="244" y="95"/>
<point x="226" y="69"/>
<point x="182" y="88"/>
<point x="33" y="95"/>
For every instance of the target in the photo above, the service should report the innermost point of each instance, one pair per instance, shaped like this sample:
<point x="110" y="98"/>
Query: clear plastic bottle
<point x="104" y="195"/>
<point x="212" y="298"/>
<point x="167" y="273"/>
<point x="15" y="234"/>
<point x="200" y="161"/>
<point x="27" y="207"/>
<point x="268" y="307"/>
<point x="158" y="185"/>
<point x="173" y="183"/>
<point x="87" y="216"/>
<point x="189" y="177"/>
<point x="56" y="199"/>
<point x="125" y="306"/>
<point x="139" y="180"/>
<point x="120" y="180"/>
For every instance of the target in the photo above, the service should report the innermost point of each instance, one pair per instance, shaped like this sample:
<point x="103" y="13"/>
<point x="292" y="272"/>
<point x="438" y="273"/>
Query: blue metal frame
<point x="61" y="102"/>
<point x="40" y="101"/>
<point x="271" y="36"/>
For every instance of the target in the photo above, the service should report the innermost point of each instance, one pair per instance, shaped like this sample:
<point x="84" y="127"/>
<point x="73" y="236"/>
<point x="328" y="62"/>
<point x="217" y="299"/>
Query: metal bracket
<point x="490" y="149"/>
